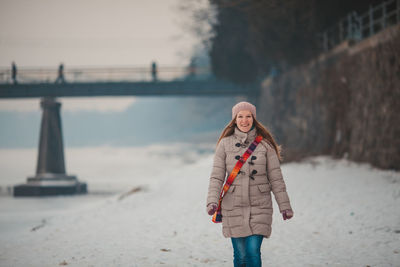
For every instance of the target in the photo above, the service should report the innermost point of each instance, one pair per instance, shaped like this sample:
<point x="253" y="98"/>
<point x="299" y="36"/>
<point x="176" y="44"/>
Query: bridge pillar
<point x="50" y="178"/>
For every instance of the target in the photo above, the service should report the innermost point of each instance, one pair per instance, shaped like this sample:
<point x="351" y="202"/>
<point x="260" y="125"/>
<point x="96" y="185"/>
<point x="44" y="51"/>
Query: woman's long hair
<point x="261" y="130"/>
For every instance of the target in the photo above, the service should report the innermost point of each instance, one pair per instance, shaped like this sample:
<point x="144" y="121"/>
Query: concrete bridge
<point x="160" y="88"/>
<point x="129" y="81"/>
<point x="51" y="177"/>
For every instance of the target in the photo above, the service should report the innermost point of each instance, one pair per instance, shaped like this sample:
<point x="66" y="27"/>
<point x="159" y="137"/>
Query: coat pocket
<point x="263" y="188"/>
<point x="227" y="201"/>
<point x="261" y="196"/>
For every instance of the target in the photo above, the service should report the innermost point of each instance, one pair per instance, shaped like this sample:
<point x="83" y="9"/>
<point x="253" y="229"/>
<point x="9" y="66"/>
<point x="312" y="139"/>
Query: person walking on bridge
<point x="247" y="153"/>
<point x="14" y="72"/>
<point x="60" y="76"/>
<point x="154" y="71"/>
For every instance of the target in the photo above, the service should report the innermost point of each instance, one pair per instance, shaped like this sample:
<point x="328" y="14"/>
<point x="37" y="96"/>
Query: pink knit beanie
<point x="243" y="106"/>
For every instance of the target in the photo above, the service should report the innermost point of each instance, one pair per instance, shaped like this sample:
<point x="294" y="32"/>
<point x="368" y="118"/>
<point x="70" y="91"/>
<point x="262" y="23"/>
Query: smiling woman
<point x="242" y="201"/>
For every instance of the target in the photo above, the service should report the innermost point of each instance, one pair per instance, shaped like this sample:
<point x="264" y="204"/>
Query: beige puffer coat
<point x="247" y="206"/>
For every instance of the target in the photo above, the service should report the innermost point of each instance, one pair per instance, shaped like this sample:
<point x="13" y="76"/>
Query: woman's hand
<point x="212" y="208"/>
<point x="287" y="214"/>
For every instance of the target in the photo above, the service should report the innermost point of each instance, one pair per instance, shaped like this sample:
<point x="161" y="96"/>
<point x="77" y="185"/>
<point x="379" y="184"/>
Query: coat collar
<point x="243" y="137"/>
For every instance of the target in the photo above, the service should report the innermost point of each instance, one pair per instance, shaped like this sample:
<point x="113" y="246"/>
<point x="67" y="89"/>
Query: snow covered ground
<point x="346" y="214"/>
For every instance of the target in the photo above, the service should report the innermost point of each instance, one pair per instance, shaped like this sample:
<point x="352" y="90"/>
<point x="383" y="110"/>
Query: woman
<point x="247" y="205"/>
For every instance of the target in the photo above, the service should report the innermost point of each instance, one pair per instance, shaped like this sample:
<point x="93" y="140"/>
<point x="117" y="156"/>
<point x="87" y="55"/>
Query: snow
<point x="345" y="214"/>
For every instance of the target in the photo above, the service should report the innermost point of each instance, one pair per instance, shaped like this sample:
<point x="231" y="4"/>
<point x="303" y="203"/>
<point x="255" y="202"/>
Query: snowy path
<point x="346" y="214"/>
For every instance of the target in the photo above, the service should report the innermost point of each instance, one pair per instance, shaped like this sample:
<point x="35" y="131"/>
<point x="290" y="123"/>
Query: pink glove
<point x="287" y="214"/>
<point x="212" y="208"/>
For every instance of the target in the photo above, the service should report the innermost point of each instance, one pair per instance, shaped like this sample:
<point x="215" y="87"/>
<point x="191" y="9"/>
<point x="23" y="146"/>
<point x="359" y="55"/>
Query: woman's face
<point x="244" y="120"/>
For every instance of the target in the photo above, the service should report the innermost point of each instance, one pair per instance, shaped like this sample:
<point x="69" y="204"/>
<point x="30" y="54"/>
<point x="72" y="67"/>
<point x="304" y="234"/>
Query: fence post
<point x="340" y="31"/>
<point x="371" y="24"/>
<point x="350" y="34"/>
<point x="325" y="40"/>
<point x="398" y="11"/>
<point x="357" y="26"/>
<point x="383" y="22"/>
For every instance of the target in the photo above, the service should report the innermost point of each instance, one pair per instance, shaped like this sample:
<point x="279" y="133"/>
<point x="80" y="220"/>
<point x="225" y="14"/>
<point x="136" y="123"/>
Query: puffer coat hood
<point x="247" y="206"/>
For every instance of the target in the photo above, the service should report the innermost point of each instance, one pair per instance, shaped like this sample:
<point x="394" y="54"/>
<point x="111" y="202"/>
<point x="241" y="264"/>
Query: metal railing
<point x="357" y="27"/>
<point x="102" y="74"/>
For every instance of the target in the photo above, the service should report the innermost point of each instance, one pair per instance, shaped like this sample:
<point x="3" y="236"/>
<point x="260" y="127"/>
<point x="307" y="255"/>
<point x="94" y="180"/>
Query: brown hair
<point x="261" y="130"/>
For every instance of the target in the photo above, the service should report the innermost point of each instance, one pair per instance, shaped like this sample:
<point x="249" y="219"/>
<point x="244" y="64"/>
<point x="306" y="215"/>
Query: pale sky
<point x="93" y="33"/>
<point x="44" y="33"/>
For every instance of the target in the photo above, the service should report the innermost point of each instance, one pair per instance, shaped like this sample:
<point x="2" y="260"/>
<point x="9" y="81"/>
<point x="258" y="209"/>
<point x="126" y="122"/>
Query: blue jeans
<point x="246" y="251"/>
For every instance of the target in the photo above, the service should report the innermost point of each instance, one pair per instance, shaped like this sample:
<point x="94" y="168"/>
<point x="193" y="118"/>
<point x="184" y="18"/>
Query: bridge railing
<point x="103" y="74"/>
<point x="356" y="27"/>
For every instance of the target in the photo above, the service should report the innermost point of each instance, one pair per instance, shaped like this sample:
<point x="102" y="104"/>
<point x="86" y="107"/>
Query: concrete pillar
<point x="50" y="178"/>
<point x="51" y="148"/>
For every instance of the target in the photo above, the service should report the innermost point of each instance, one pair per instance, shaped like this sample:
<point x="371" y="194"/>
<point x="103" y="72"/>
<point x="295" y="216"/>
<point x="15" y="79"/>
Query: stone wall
<point x="346" y="103"/>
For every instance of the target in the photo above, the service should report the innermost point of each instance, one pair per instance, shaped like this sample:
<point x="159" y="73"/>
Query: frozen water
<point x="346" y="214"/>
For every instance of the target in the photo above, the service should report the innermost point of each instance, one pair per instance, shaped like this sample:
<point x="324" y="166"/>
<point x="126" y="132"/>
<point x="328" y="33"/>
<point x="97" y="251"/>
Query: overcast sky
<point x="93" y="33"/>
<point x="38" y="33"/>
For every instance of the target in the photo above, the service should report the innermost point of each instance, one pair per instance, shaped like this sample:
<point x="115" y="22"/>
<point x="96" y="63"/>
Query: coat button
<point x="252" y="173"/>
<point x="237" y="157"/>
<point x="253" y="157"/>
<point x="237" y="144"/>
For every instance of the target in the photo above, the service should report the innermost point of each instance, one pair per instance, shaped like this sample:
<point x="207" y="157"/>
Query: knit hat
<point x="243" y="106"/>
